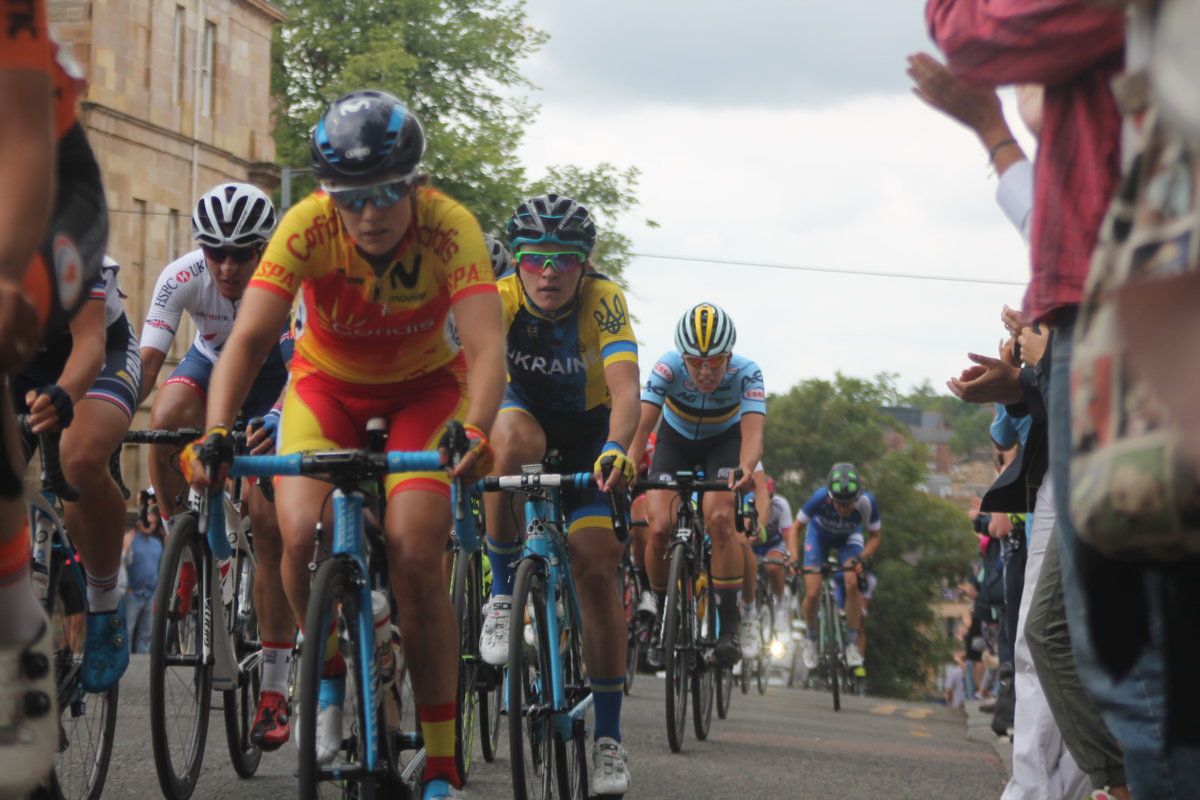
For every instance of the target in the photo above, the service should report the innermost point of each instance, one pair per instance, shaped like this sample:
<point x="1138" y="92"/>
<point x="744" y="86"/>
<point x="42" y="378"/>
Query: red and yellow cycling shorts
<point x="321" y="412"/>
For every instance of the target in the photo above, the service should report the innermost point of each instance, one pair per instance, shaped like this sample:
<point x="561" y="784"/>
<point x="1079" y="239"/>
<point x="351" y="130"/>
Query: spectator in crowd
<point x="956" y="682"/>
<point x="142" y="552"/>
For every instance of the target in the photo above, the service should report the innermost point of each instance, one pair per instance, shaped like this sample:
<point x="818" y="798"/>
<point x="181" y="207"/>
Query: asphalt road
<point x="787" y="744"/>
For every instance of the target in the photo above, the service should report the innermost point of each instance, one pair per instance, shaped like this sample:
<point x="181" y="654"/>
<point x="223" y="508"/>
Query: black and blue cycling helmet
<point x="551" y="218"/>
<point x="845" y="484"/>
<point x="366" y="135"/>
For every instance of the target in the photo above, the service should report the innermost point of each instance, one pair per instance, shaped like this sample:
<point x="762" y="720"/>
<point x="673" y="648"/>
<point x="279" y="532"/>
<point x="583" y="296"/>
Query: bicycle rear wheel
<point x="704" y="682"/>
<point x="87" y="721"/>
<point x="766" y="630"/>
<point x="571" y="755"/>
<point x="530" y="729"/>
<point x="677" y="645"/>
<point x="333" y="607"/>
<point x="724" y="691"/>
<point x="180" y="681"/>
<point x="466" y="611"/>
<point x="629" y="598"/>
<point x="241" y="703"/>
<point x="830" y="647"/>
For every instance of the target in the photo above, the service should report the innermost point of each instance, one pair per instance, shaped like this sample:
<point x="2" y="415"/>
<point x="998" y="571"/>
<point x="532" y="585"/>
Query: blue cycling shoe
<point x="440" y="789"/>
<point x="106" y="652"/>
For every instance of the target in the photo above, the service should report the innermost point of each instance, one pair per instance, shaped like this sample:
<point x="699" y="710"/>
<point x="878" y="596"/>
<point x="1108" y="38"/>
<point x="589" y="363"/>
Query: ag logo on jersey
<point x="68" y="267"/>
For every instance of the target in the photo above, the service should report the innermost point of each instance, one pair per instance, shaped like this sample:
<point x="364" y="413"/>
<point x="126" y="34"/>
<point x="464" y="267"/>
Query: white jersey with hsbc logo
<point x="696" y="415"/>
<point x="187" y="285"/>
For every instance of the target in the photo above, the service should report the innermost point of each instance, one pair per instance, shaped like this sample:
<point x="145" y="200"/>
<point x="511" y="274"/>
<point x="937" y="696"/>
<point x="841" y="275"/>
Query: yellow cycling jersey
<point x="558" y="365"/>
<point x="362" y="327"/>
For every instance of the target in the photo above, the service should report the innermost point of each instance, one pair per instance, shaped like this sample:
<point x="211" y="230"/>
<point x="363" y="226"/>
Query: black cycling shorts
<point x="717" y="456"/>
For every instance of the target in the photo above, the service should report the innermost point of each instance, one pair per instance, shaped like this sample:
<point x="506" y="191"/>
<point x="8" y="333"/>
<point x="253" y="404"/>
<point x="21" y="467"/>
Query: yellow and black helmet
<point x="705" y="330"/>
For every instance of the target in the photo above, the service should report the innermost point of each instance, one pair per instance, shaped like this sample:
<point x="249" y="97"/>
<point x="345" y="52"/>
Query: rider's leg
<point x="178" y="403"/>
<point x="749" y="572"/>
<point x="595" y="554"/>
<point x="416" y="522"/>
<point x="854" y="600"/>
<point x="660" y="508"/>
<point x="97" y="520"/>
<point x="728" y="567"/>
<point x="299" y="504"/>
<point x="276" y="622"/>
<point x="517" y="439"/>
<point x="812" y="596"/>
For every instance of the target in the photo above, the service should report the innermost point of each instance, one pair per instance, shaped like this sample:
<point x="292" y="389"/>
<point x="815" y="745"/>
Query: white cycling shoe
<point x="853" y="657"/>
<point x="809" y="653"/>
<point x="749" y="634"/>
<point x="493" y="640"/>
<point x="28" y="715"/>
<point x="332" y="696"/>
<point x="610" y="768"/>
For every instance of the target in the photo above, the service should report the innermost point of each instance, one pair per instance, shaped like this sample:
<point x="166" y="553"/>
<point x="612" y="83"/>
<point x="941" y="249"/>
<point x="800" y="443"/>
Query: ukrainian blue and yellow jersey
<point x="558" y="365"/>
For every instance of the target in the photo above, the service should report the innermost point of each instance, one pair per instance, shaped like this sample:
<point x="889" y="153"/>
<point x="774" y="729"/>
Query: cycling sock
<point x="102" y="594"/>
<point x="643" y="577"/>
<point x="606" y="701"/>
<point x="852" y="637"/>
<point x="22" y="617"/>
<point x="727" y="590"/>
<point x="502" y="555"/>
<point x="437" y="730"/>
<point x="276" y="664"/>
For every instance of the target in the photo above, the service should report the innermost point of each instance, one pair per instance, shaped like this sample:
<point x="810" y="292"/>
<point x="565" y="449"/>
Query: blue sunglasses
<point x="382" y="196"/>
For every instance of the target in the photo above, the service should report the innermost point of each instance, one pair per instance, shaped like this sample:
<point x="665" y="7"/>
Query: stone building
<point x="178" y="99"/>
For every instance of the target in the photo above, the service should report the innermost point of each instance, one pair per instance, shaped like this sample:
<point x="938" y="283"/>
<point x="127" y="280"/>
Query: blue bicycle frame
<point x="545" y="537"/>
<point x="349" y="539"/>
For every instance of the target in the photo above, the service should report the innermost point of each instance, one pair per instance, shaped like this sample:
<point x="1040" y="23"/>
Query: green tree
<point x="926" y="541"/>
<point x="455" y="63"/>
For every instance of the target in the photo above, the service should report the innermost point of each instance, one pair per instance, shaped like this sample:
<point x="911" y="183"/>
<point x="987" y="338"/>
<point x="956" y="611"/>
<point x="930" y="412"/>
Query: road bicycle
<point x="204" y="632"/>
<point x="689" y="621"/>
<point x="548" y="695"/>
<point x="831" y="637"/>
<point x="479" y="683"/>
<point x="382" y="753"/>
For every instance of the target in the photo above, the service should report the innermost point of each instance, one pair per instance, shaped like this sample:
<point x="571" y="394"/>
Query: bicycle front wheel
<point x="466" y="611"/>
<point x="87" y="721"/>
<point x="241" y="703"/>
<point x="530" y="726"/>
<point x="705" y="679"/>
<point x="724" y="692"/>
<point x="180" y="681"/>
<point x="677" y="645"/>
<point x="831" y="645"/>
<point x="766" y="630"/>
<point x="333" y="606"/>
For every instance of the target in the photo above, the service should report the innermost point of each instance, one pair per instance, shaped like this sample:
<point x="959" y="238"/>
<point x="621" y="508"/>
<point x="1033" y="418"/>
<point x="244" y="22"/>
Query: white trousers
<point x="1042" y="767"/>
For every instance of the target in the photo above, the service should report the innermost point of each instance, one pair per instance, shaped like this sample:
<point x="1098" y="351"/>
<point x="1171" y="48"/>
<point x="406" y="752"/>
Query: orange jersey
<point x="362" y="327"/>
<point x="25" y="43"/>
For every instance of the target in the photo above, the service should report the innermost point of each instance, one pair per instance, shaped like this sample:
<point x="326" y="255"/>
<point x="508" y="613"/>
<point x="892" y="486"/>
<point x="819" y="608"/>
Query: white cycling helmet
<point x="233" y="215"/>
<point x="705" y="330"/>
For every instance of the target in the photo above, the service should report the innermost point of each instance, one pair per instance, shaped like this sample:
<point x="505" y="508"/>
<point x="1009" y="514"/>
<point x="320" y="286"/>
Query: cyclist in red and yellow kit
<point x="53" y="231"/>
<point x="379" y="262"/>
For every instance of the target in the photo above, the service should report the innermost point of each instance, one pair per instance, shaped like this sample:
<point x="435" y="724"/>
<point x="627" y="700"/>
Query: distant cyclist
<point x="836" y="516"/>
<point x="777" y="521"/>
<point x="713" y="404"/>
<point x="231" y="224"/>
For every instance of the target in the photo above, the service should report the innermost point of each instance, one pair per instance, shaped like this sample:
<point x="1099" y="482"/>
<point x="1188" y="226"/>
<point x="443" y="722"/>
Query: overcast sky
<point x="783" y="132"/>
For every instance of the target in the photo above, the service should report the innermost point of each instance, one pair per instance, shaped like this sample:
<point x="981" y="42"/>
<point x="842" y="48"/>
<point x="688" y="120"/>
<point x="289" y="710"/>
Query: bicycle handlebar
<point x="618" y="504"/>
<point x="352" y="464"/>
<point x="549" y="480"/>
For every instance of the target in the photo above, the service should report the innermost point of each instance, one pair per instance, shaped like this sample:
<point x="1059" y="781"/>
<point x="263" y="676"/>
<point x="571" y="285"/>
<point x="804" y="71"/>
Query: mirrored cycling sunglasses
<point x="382" y="195"/>
<point x="712" y="362"/>
<point x="559" y="262"/>
<point x="240" y="255"/>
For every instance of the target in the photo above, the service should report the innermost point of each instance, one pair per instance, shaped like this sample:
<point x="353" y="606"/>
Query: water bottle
<point x="385" y="656"/>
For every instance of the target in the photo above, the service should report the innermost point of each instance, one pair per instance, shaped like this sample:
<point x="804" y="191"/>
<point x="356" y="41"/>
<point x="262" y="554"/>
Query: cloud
<point x="771" y="53"/>
<point x="877" y="183"/>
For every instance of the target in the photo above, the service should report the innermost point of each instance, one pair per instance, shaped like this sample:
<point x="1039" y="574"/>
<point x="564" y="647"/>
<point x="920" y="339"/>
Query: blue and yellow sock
<point x="607" y="694"/>
<point x="502" y="555"/>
